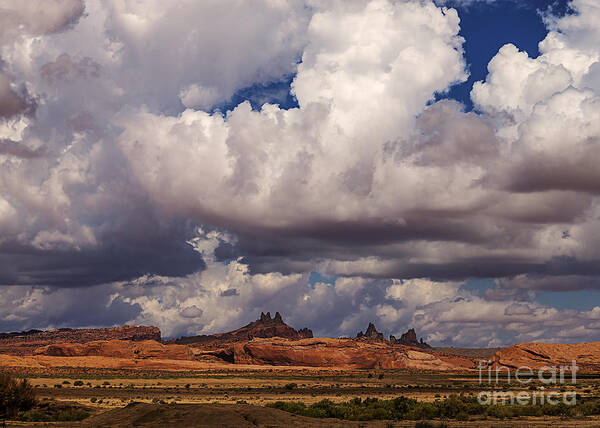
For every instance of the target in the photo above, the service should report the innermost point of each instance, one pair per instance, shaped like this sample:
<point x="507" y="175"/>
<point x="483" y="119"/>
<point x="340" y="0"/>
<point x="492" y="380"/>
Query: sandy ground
<point x="113" y="389"/>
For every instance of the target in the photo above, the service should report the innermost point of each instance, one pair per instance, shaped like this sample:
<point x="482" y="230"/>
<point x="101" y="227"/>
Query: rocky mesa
<point x="264" y="327"/>
<point x="118" y="349"/>
<point x="25" y="343"/>
<point x="343" y="353"/>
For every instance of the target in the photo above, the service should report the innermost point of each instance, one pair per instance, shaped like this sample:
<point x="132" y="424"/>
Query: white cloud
<point x="203" y="50"/>
<point x="368" y="177"/>
<point x="36" y="17"/>
<point x="359" y="92"/>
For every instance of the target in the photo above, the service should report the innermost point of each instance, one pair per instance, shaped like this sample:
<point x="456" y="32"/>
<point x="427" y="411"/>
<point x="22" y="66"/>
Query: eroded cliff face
<point x="264" y="327"/>
<point x="409" y="338"/>
<point x="26" y="342"/>
<point x="344" y="353"/>
<point x="118" y="349"/>
<point x="270" y="341"/>
<point x="538" y="355"/>
<point x="371" y="333"/>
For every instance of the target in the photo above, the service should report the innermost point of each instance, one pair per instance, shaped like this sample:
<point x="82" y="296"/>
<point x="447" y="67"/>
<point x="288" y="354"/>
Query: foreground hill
<point x="211" y="415"/>
<point x="245" y="415"/>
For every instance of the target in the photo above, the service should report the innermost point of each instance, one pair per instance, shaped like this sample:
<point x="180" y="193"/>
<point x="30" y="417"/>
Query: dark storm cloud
<point x="553" y="283"/>
<point x="14" y="102"/>
<point x="448" y="137"/>
<point x="73" y="307"/>
<point x="575" y="170"/>
<point x="123" y="255"/>
<point x="14" y="148"/>
<point x="65" y="68"/>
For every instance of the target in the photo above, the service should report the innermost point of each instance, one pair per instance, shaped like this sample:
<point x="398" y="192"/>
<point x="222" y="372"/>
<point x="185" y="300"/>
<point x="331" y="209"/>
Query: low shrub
<point x="72" y="415"/>
<point x="34" y="416"/>
<point x="15" y="396"/>
<point x="454" y="407"/>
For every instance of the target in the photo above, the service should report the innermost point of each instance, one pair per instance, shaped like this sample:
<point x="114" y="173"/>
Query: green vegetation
<point x="15" y="396"/>
<point x="64" y="415"/>
<point x="72" y="415"/>
<point x="18" y="402"/>
<point x="455" y="407"/>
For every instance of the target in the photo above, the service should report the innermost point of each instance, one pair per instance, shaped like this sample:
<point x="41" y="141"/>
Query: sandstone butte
<point x="267" y="342"/>
<point x="265" y="326"/>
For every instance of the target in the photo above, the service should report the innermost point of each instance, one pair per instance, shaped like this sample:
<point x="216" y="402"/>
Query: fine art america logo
<point x="523" y="376"/>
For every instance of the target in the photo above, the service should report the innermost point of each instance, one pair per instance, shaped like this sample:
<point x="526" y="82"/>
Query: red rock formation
<point x="118" y="349"/>
<point x="24" y="343"/>
<point x="410" y="339"/>
<point x="345" y="353"/>
<point x="371" y="333"/>
<point x="538" y="355"/>
<point x="264" y="327"/>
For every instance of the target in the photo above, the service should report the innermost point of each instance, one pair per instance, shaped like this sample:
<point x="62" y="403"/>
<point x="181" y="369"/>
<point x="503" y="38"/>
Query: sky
<point x="412" y="163"/>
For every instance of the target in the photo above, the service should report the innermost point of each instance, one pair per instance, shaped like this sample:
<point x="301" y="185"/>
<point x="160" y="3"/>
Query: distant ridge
<point x="24" y="342"/>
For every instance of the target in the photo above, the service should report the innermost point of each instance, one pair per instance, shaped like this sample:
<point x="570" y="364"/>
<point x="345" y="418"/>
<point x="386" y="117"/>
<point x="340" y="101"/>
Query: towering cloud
<point x="117" y="144"/>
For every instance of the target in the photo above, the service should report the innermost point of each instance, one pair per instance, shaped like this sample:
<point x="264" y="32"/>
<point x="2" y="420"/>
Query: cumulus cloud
<point x="20" y="20"/>
<point x="367" y="179"/>
<point x="423" y="191"/>
<point x="445" y="313"/>
<point x="178" y="53"/>
<point x="358" y="98"/>
<point x="37" y="17"/>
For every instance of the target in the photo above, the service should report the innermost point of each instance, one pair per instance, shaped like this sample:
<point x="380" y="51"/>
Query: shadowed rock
<point x="371" y="333"/>
<point x="264" y="327"/>
<point x="410" y="339"/>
